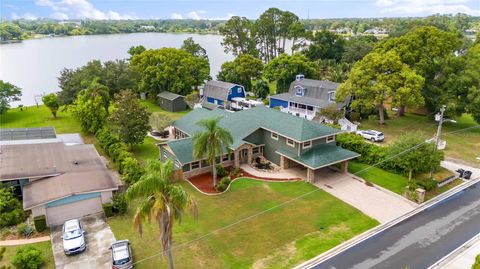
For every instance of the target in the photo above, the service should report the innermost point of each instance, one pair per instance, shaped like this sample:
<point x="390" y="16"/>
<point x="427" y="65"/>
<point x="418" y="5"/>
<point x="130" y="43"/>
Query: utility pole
<point x="439" y="130"/>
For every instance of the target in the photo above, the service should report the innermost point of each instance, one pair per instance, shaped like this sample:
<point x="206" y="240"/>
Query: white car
<point x="73" y="237"/>
<point x="372" y="135"/>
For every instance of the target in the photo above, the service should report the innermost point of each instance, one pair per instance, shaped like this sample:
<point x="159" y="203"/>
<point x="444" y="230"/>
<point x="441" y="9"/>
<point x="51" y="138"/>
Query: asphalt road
<point x="419" y="241"/>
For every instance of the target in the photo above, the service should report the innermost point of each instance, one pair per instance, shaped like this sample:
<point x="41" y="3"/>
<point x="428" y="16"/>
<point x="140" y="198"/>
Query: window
<point x="225" y="158"/>
<point x="255" y="150"/>
<point x="331" y="96"/>
<point x="274" y="136"/>
<point x="290" y="142"/>
<point x="195" y="165"/>
<point x="307" y="144"/>
<point x="299" y="91"/>
<point x="164" y="153"/>
<point x="204" y="163"/>
<point x="178" y="164"/>
<point x="330" y="138"/>
<point x="186" y="168"/>
<point x="239" y="90"/>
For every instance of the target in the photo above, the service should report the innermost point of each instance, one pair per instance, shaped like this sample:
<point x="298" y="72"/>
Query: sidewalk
<point x="24" y="241"/>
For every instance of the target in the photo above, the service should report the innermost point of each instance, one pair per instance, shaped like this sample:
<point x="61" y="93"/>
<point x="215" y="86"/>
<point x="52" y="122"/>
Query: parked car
<point x="73" y="237"/>
<point x="372" y="135"/>
<point x="121" y="255"/>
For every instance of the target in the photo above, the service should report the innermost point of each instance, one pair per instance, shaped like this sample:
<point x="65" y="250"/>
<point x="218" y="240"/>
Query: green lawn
<point x="154" y="108"/>
<point x="462" y="145"/>
<point x="280" y="238"/>
<point x="39" y="117"/>
<point x="146" y="151"/>
<point x="44" y="247"/>
<point x="380" y="177"/>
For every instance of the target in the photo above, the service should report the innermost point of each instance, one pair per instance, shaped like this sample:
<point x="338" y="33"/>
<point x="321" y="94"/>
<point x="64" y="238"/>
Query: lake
<point x="35" y="64"/>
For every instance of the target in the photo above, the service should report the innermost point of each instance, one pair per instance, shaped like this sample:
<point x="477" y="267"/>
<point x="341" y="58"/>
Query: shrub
<point x="108" y="209"/>
<point x="354" y="116"/>
<point x="119" y="204"/>
<point x="221" y="172"/>
<point x="28" y="257"/>
<point x="235" y="172"/>
<point x="370" y="154"/>
<point x="131" y="170"/>
<point x="40" y="223"/>
<point x="11" y="210"/>
<point x="24" y="230"/>
<point x="426" y="184"/>
<point x="476" y="265"/>
<point x="223" y="184"/>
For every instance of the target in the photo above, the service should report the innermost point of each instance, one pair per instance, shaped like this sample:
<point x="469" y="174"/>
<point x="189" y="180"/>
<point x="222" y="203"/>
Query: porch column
<point x="236" y="158"/>
<point x="344" y="167"/>
<point x="250" y="155"/>
<point x="310" y="175"/>
<point x="283" y="162"/>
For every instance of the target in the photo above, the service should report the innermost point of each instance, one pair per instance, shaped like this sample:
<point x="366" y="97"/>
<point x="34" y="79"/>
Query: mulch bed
<point x="204" y="181"/>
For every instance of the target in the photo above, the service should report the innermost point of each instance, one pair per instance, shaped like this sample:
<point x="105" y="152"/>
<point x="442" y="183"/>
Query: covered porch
<point x="321" y="159"/>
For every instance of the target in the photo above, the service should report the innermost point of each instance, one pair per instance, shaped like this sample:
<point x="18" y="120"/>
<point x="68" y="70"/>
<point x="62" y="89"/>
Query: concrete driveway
<point x="98" y="236"/>
<point x="378" y="203"/>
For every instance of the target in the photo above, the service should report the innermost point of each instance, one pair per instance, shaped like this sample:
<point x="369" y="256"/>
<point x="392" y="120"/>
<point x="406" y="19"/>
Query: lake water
<point x="34" y="65"/>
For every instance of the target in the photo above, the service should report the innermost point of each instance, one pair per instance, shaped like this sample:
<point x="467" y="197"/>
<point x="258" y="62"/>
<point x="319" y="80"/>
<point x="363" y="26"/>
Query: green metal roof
<point x="183" y="149"/>
<point x="320" y="156"/>
<point x="242" y="123"/>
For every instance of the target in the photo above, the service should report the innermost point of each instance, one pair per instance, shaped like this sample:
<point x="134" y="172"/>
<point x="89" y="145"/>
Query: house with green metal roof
<point x="281" y="138"/>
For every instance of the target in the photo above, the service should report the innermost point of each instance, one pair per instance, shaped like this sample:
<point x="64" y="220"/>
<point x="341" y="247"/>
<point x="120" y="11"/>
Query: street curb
<point x="382" y="227"/>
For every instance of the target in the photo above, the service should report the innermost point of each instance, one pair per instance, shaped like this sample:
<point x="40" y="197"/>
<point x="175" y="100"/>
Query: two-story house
<point x="227" y="95"/>
<point x="283" y="139"/>
<point x="306" y="97"/>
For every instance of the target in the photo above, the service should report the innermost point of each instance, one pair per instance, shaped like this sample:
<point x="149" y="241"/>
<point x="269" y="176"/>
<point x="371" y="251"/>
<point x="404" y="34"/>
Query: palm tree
<point x="162" y="201"/>
<point x="211" y="143"/>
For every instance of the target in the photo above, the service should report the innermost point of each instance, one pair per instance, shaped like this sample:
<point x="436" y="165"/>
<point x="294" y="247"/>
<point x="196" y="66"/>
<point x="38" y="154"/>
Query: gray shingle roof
<point x="316" y="93"/>
<point x="321" y="155"/>
<point x="169" y="95"/>
<point x="217" y="89"/>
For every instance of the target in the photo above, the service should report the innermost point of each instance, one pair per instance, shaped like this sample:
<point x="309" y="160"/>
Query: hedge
<point x="108" y="209"/>
<point x="40" y="223"/>
<point x="126" y="163"/>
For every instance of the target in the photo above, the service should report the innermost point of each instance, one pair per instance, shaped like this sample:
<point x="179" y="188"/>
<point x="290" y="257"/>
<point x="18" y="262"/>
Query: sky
<point x="224" y="9"/>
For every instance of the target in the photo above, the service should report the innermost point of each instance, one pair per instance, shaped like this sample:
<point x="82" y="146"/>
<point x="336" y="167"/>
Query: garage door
<point x="57" y="215"/>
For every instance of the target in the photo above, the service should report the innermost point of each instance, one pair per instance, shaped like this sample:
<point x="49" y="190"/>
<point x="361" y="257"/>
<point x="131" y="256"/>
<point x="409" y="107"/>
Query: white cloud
<point x="177" y="16"/>
<point x="81" y="9"/>
<point x="413" y="7"/>
<point x="26" y="16"/>
<point x="196" y="15"/>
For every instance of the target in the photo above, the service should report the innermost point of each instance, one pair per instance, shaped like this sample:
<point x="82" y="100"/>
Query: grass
<point x="146" y="151"/>
<point x="44" y="247"/>
<point x="280" y="238"/>
<point x="154" y="108"/>
<point x="464" y="145"/>
<point x="380" y="177"/>
<point x="33" y="116"/>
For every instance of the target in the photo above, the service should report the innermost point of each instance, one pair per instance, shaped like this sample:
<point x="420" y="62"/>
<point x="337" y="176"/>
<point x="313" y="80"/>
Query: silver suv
<point x="73" y="237"/>
<point x="121" y="255"/>
<point x="372" y="135"/>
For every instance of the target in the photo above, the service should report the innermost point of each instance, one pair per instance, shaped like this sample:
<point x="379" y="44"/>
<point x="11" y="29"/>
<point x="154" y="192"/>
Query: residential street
<point x="419" y="241"/>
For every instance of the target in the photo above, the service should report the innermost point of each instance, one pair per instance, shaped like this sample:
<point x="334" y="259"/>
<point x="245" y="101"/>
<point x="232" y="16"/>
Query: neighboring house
<point x="57" y="176"/>
<point x="306" y="97"/>
<point x="281" y="138"/>
<point x="172" y="102"/>
<point x="227" y="95"/>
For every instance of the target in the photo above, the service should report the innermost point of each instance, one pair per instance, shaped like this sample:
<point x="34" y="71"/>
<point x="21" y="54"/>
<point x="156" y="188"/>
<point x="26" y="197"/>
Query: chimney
<point x="299" y="77"/>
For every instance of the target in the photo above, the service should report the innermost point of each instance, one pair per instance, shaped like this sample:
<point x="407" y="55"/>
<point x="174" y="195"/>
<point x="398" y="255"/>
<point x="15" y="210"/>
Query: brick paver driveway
<point x="375" y="202"/>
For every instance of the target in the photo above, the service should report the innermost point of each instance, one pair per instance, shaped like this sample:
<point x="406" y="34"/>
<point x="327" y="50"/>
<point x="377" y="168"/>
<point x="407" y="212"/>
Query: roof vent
<point x="75" y="162"/>
<point x="299" y="77"/>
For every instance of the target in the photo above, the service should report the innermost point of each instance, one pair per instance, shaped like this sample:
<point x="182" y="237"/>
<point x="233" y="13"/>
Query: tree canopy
<point x="51" y="101"/>
<point x="325" y="45"/>
<point x="8" y="93"/>
<point x="284" y="68"/>
<point x="90" y="107"/>
<point x="238" y="36"/>
<point x="170" y="69"/>
<point x="242" y="70"/>
<point x="129" y="119"/>
<point x="193" y="48"/>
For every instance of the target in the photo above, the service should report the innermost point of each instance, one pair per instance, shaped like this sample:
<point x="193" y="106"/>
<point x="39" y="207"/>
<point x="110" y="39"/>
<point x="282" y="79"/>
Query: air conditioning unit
<point x="299" y="77"/>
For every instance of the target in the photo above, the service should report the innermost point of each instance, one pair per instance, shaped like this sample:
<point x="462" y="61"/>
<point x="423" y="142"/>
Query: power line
<point x="242" y="220"/>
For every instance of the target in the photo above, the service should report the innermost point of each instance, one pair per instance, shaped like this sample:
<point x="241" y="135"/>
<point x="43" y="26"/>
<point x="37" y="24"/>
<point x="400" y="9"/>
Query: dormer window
<point x="331" y="96"/>
<point x="299" y="91"/>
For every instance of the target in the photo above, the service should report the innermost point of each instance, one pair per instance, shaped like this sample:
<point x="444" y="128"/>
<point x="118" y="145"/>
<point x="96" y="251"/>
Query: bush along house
<point x="306" y="97"/>
<point x="226" y="95"/>
<point x="283" y="139"/>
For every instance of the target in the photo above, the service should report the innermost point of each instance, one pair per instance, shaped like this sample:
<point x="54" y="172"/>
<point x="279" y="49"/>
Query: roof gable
<point x="169" y="95"/>
<point x="218" y="89"/>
